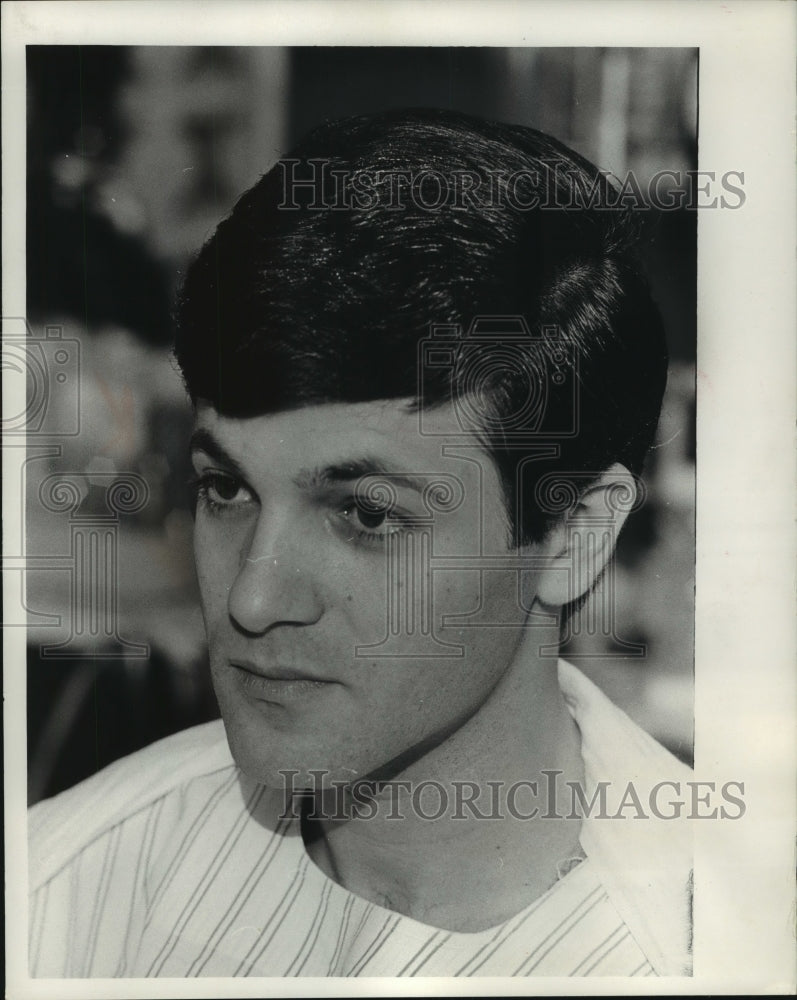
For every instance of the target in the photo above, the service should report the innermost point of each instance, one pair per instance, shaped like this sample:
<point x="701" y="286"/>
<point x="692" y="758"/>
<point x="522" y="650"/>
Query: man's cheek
<point x="365" y="628"/>
<point x="217" y="567"/>
<point x="477" y="608"/>
<point x="214" y="591"/>
<point x="456" y="593"/>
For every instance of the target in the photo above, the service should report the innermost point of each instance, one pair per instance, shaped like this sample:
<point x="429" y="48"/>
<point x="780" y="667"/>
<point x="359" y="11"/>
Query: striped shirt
<point x="173" y="863"/>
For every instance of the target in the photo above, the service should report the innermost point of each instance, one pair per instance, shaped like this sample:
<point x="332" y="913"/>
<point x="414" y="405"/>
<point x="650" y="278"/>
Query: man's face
<point x="297" y="577"/>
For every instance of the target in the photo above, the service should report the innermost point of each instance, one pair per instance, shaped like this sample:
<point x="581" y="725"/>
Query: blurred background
<point x="133" y="156"/>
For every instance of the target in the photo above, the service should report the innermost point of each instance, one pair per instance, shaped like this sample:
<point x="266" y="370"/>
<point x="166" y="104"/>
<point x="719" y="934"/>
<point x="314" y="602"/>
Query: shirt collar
<point x="644" y="862"/>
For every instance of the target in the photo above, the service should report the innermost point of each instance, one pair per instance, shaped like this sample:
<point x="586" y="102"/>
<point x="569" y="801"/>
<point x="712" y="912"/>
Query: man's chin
<point x="286" y="767"/>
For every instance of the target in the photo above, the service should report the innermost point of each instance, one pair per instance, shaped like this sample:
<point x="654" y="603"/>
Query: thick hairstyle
<point x="312" y="293"/>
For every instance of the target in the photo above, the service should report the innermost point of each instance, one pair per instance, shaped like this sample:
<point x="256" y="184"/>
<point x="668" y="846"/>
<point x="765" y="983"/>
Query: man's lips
<point x="276" y="684"/>
<point x="274" y="672"/>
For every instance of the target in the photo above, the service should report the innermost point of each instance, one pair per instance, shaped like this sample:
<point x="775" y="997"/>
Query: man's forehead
<point x="334" y="433"/>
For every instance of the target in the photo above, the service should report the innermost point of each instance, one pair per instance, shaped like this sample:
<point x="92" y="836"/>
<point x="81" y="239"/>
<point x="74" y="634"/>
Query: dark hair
<point x="309" y="295"/>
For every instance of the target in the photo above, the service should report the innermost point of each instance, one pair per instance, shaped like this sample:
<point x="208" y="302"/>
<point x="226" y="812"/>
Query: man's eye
<point x="369" y="523"/>
<point x="370" y="517"/>
<point x="218" y="491"/>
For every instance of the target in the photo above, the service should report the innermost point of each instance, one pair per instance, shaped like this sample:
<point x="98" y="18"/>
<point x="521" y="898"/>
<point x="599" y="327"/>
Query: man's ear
<point x="577" y="549"/>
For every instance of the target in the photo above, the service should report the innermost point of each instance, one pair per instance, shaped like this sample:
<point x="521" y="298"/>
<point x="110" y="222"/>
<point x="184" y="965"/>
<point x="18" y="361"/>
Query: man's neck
<point x="488" y="854"/>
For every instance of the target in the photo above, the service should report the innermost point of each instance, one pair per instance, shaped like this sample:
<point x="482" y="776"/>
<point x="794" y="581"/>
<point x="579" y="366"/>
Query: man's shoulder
<point x="60" y="827"/>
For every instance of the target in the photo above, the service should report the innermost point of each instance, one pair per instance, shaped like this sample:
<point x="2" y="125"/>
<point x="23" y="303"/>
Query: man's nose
<point x="274" y="584"/>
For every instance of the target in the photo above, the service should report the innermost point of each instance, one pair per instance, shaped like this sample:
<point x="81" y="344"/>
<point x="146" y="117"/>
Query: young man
<point x="426" y="370"/>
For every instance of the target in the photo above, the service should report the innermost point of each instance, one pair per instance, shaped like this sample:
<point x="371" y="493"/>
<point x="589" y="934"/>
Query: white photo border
<point x="745" y="693"/>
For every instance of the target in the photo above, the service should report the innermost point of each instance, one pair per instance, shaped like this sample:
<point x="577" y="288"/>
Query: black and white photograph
<point x="368" y="477"/>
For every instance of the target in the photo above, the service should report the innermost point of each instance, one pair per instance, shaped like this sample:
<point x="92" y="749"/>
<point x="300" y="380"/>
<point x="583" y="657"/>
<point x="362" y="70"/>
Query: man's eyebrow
<point x="203" y="440"/>
<point x="317" y="479"/>
<point x="351" y="470"/>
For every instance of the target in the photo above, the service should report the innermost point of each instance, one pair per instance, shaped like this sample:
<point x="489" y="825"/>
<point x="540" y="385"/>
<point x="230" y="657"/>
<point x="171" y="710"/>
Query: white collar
<point x="645" y="864"/>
